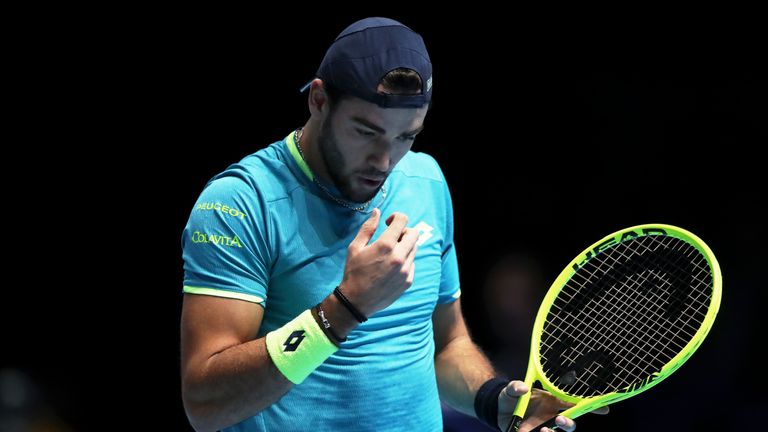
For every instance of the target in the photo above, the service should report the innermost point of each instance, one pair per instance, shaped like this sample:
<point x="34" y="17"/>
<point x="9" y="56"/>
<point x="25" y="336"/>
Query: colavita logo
<point x="222" y="208"/>
<point x="198" y="237"/>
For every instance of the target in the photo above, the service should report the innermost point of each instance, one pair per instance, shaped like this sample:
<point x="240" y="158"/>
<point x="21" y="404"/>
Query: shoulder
<point x="263" y="175"/>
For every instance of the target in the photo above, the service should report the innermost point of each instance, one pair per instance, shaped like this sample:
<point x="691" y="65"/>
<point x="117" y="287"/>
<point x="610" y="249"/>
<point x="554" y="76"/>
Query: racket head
<point x="588" y="382"/>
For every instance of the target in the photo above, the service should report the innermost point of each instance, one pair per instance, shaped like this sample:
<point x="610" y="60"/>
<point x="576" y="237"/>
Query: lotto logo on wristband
<point x="283" y="347"/>
<point x="293" y="340"/>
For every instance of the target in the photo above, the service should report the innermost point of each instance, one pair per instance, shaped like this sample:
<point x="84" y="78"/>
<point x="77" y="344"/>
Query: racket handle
<point x="514" y="425"/>
<point x="548" y="424"/>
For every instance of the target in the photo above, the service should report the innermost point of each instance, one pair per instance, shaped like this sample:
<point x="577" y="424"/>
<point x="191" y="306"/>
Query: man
<point x="321" y="282"/>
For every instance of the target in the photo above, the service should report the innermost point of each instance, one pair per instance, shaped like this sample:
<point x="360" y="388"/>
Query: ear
<point x="318" y="98"/>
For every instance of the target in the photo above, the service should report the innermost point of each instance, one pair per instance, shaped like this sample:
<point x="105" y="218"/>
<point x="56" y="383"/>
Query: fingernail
<point x="560" y="421"/>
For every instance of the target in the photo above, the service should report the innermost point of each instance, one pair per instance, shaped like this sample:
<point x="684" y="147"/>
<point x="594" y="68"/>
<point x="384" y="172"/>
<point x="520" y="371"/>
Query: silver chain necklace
<point x="361" y="208"/>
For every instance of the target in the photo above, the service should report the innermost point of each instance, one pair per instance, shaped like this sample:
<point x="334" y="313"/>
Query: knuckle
<point x="385" y="247"/>
<point x="398" y="262"/>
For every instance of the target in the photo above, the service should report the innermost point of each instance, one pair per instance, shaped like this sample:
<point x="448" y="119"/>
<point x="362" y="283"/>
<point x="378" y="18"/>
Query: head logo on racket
<point x="621" y="317"/>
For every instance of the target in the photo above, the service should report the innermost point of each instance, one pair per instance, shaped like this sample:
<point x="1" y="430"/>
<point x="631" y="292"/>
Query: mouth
<point x="371" y="182"/>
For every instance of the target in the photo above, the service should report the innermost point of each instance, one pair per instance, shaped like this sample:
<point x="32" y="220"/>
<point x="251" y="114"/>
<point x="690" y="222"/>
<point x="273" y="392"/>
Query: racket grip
<point x="548" y="424"/>
<point x="514" y="425"/>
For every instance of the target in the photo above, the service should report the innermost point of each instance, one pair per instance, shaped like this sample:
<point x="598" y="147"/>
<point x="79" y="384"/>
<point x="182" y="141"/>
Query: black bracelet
<point x="487" y="401"/>
<point x="326" y="326"/>
<point x="350" y="307"/>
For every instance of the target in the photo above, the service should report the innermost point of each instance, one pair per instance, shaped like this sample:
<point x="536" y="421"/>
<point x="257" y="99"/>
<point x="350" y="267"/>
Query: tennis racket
<point x="624" y="315"/>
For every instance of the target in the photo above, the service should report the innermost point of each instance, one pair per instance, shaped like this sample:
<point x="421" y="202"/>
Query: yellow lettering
<point x="222" y="208"/>
<point x="198" y="237"/>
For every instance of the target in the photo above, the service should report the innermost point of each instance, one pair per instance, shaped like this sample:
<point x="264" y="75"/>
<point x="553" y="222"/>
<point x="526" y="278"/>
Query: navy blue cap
<point x="366" y="51"/>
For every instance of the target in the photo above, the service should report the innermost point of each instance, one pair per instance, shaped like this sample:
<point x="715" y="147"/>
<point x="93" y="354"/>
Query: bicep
<point x="210" y="325"/>
<point x="448" y="324"/>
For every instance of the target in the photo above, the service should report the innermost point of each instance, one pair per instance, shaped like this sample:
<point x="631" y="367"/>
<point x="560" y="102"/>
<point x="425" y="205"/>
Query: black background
<point x="550" y="137"/>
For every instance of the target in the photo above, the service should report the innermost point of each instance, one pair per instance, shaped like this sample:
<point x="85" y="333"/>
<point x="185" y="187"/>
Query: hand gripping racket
<point x="624" y="315"/>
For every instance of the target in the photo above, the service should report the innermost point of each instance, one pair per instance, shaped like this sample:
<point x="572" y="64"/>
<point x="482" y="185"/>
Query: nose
<point x="381" y="157"/>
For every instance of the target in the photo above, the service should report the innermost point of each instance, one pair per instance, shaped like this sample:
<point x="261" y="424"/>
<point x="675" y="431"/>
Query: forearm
<point x="240" y="381"/>
<point x="461" y="369"/>
<point x="233" y="385"/>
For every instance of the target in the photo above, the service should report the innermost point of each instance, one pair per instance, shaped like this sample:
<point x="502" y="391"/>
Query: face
<point x="361" y="143"/>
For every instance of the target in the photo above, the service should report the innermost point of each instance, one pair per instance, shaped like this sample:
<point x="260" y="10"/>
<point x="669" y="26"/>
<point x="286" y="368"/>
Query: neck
<point x="310" y="147"/>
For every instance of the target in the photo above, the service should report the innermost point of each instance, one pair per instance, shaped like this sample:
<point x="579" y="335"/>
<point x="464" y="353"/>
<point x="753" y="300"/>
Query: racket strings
<point x="625" y="339"/>
<point x="656" y="297"/>
<point x="624" y="314"/>
<point x="616" y="337"/>
<point x="639" y="348"/>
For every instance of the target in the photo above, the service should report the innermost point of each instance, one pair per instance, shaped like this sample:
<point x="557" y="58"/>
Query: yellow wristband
<point x="299" y="347"/>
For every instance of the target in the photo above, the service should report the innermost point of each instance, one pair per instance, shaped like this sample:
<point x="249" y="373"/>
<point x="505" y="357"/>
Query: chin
<point x="360" y="197"/>
<point x="360" y="194"/>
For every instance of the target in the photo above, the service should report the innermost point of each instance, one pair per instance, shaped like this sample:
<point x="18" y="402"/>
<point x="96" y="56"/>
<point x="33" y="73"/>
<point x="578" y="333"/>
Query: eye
<point x="365" y="133"/>
<point x="407" y="138"/>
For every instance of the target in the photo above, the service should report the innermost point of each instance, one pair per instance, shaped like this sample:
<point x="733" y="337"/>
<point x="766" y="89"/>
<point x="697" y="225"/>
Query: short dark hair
<point x="397" y="82"/>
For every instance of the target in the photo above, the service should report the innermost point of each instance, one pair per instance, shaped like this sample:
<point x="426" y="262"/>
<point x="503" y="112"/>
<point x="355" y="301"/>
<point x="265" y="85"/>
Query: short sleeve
<point x="225" y="244"/>
<point x="450" y="287"/>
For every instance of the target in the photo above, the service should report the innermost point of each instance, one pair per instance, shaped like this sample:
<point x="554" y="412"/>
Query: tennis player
<point x="321" y="281"/>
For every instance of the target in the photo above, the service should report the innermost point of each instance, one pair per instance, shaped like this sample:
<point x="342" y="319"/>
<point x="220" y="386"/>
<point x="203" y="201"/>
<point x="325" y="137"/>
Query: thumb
<point x="367" y="230"/>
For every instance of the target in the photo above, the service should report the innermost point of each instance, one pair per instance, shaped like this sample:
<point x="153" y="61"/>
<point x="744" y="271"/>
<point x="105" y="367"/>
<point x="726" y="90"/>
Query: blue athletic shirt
<point x="263" y="231"/>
